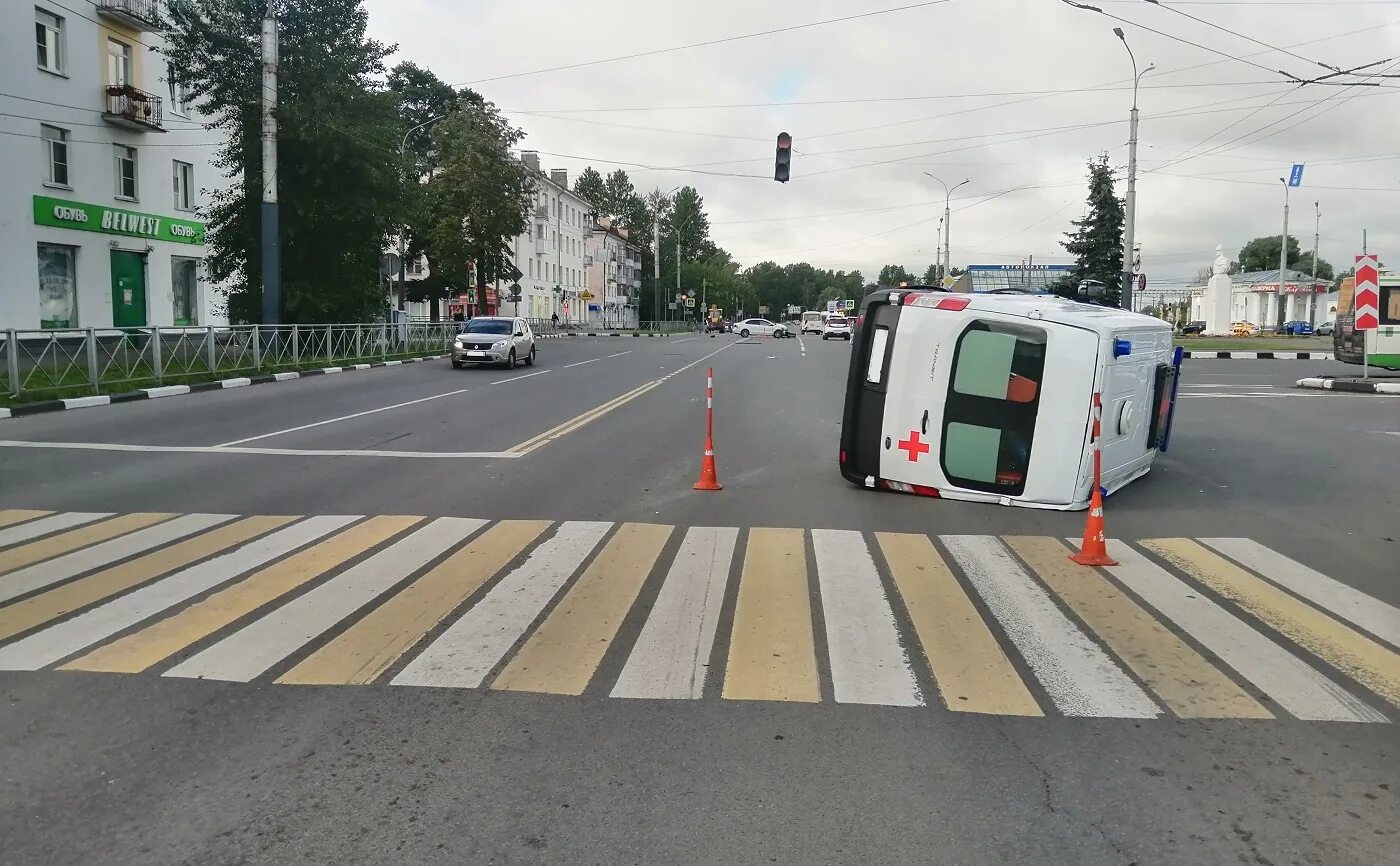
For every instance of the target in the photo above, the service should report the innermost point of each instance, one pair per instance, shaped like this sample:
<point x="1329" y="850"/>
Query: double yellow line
<point x="543" y="439"/>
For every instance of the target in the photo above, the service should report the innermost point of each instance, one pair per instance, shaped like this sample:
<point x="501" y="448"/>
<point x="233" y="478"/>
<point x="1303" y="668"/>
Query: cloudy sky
<point x="1011" y="95"/>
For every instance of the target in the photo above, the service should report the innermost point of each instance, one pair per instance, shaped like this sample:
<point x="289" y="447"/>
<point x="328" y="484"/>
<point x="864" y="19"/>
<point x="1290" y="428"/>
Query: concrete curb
<point x="1271" y="356"/>
<point x="179" y="390"/>
<point x="1350" y="386"/>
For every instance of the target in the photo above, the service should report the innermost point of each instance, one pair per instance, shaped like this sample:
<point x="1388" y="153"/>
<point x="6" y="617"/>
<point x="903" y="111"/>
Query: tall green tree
<point x="1097" y="240"/>
<point x="1304" y="264"/>
<point x="893" y="275"/>
<point x="931" y="275"/>
<point x="686" y="223"/>
<point x="340" y="178"/>
<point x="1261" y="254"/>
<point x="590" y="186"/>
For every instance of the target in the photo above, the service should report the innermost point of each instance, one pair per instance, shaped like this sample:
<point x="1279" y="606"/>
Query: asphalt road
<point x="143" y="768"/>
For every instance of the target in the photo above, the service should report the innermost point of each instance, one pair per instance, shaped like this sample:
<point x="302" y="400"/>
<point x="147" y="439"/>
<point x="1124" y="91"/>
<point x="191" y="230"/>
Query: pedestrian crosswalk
<point x="1190" y="628"/>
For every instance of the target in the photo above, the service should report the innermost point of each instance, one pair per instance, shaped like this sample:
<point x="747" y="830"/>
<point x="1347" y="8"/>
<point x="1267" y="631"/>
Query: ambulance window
<point x="993" y="399"/>
<point x="875" y="368"/>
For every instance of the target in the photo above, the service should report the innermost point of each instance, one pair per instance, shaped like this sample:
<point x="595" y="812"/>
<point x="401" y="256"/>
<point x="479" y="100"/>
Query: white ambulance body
<point x="988" y="397"/>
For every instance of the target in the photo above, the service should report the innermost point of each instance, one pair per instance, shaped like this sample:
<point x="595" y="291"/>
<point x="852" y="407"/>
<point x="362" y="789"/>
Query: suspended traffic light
<point x="782" y="165"/>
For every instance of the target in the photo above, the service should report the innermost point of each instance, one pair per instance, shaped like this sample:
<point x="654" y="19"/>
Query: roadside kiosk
<point x="989" y="397"/>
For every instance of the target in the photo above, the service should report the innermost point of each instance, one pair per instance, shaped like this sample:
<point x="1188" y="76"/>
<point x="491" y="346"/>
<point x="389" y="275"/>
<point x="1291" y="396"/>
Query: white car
<point x="838" y="327"/>
<point x="494" y="340"/>
<point x="760" y="328"/>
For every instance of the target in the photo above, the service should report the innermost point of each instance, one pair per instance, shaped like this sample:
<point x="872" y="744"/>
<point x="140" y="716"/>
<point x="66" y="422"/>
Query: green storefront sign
<point x="115" y="221"/>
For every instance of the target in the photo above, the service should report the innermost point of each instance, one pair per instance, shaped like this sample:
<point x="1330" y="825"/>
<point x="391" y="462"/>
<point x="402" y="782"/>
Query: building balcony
<point x="134" y="109"/>
<point x="541" y="246"/>
<point x="137" y="14"/>
<point x="542" y="212"/>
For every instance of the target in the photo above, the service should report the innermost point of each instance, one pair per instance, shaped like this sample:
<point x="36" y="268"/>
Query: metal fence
<point x="65" y="363"/>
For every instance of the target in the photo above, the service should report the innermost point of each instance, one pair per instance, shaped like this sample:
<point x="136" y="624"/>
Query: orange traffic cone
<point x="708" y="479"/>
<point x="1093" y="550"/>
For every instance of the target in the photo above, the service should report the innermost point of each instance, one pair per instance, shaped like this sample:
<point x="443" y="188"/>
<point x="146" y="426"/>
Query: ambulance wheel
<point x="744" y="333"/>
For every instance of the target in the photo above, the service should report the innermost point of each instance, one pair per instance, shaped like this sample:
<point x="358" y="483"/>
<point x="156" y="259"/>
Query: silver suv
<point x="494" y="340"/>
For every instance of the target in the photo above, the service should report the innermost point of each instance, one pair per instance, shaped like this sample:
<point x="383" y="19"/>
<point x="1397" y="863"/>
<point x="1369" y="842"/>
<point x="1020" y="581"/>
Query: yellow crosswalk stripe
<point x="36" y="610"/>
<point x="365" y="650"/>
<point x="1191" y="687"/>
<point x="973" y="674"/>
<point x="158" y="641"/>
<point x="45" y="548"/>
<point x="1356" y="655"/>
<point x="11" y="516"/>
<point x="564" y="652"/>
<point x="772" y="653"/>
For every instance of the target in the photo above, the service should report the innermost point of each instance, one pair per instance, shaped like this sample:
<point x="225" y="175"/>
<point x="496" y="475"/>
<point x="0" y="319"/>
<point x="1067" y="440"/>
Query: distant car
<point x="1244" y="329"/>
<point x="760" y="328"/>
<point x="1325" y="329"/>
<point x="838" y="327"/>
<point x="1193" y="328"/>
<point x="494" y="340"/>
<point x="1296" y="328"/>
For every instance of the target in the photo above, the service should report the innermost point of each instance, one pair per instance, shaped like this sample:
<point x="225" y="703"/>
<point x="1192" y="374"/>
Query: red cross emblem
<point x="913" y="446"/>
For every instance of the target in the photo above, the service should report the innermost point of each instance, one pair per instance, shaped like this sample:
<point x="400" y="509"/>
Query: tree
<point x="589" y="186"/>
<point x="340" y="184"/>
<point x="931" y="275"/>
<point x="478" y="199"/>
<point x="1304" y="265"/>
<point x="893" y="275"/>
<point x="1097" y="240"/>
<point x="686" y="222"/>
<point x="1261" y="254"/>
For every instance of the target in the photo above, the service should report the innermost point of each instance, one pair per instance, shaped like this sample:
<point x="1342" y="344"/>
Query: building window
<point x="48" y="36"/>
<point x="124" y="162"/>
<point x="58" y="287"/>
<point x="55" y="142"/>
<point x="183" y="176"/>
<point x="179" y="94"/>
<point x="118" y="62"/>
<point x="184" y="289"/>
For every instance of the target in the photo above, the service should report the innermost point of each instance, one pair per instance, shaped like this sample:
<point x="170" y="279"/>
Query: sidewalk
<point x="1384" y="383"/>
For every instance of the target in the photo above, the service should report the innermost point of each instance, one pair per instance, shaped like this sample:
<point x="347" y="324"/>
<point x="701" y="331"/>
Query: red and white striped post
<point x="1093" y="549"/>
<point x="708" y="478"/>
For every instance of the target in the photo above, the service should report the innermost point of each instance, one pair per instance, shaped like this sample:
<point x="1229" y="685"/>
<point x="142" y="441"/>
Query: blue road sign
<point x="1295" y="177"/>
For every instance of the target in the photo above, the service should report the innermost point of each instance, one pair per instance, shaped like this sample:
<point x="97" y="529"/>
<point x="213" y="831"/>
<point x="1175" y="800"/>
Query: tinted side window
<point x="993" y="400"/>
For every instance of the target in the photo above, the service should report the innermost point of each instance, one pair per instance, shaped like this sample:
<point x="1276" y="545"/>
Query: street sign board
<point x="1142" y="282"/>
<point x="585" y="296"/>
<point x="763" y="310"/>
<point x="831" y="306"/>
<point x="1295" y="176"/>
<point x="948" y="282"/>
<point x="689" y="303"/>
<point x="849" y="305"/>
<point x="1368" y="299"/>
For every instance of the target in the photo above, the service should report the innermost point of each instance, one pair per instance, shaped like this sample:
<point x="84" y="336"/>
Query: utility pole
<point x="1282" y="256"/>
<point x="1312" y="289"/>
<point x="655" y="265"/>
<point x="938" y="252"/>
<point x="1130" y="197"/>
<point x="271" y="253"/>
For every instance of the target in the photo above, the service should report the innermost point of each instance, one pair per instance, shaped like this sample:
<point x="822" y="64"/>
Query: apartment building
<point x="550" y="255"/>
<point x="613" y="276"/>
<point x="104" y="171"/>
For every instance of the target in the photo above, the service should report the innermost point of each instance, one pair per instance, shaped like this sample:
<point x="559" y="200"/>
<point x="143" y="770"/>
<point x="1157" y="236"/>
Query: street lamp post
<point x="1282" y="259"/>
<point x="403" y="233"/>
<point x="1130" y="198"/>
<point x="947" y="223"/>
<point x="938" y="252"/>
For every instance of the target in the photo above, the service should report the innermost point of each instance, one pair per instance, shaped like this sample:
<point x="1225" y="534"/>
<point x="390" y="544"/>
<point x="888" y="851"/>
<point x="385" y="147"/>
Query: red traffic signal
<point x="782" y="165"/>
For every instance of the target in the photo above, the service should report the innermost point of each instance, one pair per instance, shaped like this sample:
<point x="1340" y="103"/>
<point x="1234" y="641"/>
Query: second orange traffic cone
<point x="708" y="479"/>
<point x="1093" y="550"/>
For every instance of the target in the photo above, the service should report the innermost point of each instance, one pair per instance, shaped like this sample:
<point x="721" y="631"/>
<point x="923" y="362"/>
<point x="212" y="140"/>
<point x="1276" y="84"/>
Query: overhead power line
<point x="1243" y="36"/>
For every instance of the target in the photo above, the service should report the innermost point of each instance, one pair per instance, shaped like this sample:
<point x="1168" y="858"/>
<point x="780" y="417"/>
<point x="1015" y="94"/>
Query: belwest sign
<point x="115" y="221"/>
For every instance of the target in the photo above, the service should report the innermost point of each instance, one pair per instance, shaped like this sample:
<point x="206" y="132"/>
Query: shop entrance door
<point x="128" y="289"/>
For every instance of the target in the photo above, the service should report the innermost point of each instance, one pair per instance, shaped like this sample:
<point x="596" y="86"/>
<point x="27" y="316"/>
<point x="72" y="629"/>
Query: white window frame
<point x="54" y="46"/>
<point x="125" y="66"/>
<point x="182" y="178"/>
<point x="121" y="152"/>
<point x="179" y="95"/>
<point x="50" y="144"/>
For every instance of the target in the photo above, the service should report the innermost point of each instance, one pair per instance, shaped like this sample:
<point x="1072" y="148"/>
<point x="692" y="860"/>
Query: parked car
<point x="494" y="340"/>
<point x="1193" y="328"/>
<point x="761" y="328"/>
<point x="1296" y="328"/>
<point x="1325" y="329"/>
<point x="838" y="327"/>
<point x="1244" y="329"/>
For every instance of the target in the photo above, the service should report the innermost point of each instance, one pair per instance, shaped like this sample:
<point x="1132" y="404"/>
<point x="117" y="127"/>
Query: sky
<point x="1013" y="96"/>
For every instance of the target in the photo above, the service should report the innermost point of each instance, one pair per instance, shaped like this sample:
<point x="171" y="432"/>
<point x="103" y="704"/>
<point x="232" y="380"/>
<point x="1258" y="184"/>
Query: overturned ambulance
<point x="989" y="397"/>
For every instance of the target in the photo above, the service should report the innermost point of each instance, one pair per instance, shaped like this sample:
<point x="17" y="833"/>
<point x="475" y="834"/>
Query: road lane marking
<point x="1190" y="686"/>
<point x="672" y="654"/>
<point x="772" y="651"/>
<point x="620" y="354"/>
<point x="1286" y="679"/>
<point x="1353" y="605"/>
<point x="578" y="421"/>
<point x="564" y="652"/>
<point x="37" y="610"/>
<point x="45" y="525"/>
<point x="369" y="647"/>
<point x="518" y="378"/>
<point x="143" y="649"/>
<point x="65" y="638"/>
<point x="1356" y="655"/>
<point x="1081" y="679"/>
<point x="581" y="363"/>
<point x="868" y="664"/>
<point x="37" y="551"/>
<point x="272" y="452"/>
<point x="466" y="653"/>
<point x="973" y="674"/>
<point x="344" y="417"/>
<point x="61" y="568"/>
<point x="253" y="649"/>
<point x="11" y="516"/>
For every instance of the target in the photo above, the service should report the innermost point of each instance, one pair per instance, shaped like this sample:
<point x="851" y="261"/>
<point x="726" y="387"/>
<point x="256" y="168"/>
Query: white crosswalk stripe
<point x="258" y="646"/>
<point x="465" y="654"/>
<point x="1080" y="678"/>
<point x="46" y="525"/>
